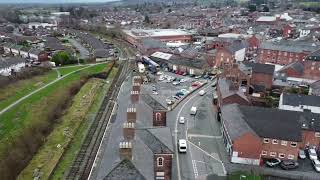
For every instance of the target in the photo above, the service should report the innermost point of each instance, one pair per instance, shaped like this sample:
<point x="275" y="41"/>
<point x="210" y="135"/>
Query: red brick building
<point x="159" y="113"/>
<point x="284" y="52"/>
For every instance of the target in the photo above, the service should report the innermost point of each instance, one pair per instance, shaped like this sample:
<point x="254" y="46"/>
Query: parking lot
<point x="169" y="88"/>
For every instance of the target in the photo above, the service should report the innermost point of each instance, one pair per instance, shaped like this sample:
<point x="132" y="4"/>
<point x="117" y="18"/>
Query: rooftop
<point x="300" y="99"/>
<point x="154" y="104"/>
<point x="138" y="33"/>
<point x="125" y="170"/>
<point x="289" y="46"/>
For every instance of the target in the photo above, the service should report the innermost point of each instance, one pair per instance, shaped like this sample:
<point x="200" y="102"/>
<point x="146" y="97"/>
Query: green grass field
<point x="244" y="176"/>
<point x="33" y="109"/>
<point x="71" y="152"/>
<point x="50" y="153"/>
<point x="65" y="70"/>
<point x="15" y="91"/>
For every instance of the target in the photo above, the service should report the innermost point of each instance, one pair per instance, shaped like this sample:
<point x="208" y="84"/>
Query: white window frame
<point x="273" y="154"/>
<point x="293" y="145"/>
<point x="284" y="143"/>
<point x="281" y="155"/>
<point x="158" y="116"/>
<point x="290" y="156"/>
<point x="160" y="161"/>
<point x="266" y="140"/>
<point x="275" y="141"/>
<point x="264" y="153"/>
<point x="317" y="134"/>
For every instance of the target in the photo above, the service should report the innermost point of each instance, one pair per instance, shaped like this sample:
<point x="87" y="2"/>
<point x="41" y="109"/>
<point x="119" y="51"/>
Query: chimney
<point x="135" y="96"/>
<point x="128" y="130"/>
<point x="137" y="79"/>
<point x="125" y="150"/>
<point x="131" y="114"/>
<point x="136" y="87"/>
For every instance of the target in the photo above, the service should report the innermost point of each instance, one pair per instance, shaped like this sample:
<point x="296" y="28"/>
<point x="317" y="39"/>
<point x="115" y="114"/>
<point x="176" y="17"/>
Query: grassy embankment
<point x="35" y="113"/>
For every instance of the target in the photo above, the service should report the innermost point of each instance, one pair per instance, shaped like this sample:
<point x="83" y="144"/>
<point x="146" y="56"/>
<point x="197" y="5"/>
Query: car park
<point x="176" y="83"/>
<point x="182" y="144"/>
<point x="159" y="73"/>
<point x="183" y="80"/>
<point x="273" y="162"/>
<point x="184" y="91"/>
<point x="155" y="92"/>
<point x="197" y="77"/>
<point x="302" y="154"/>
<point x="289" y="164"/>
<point x="195" y="84"/>
<point x="181" y="120"/>
<point x="176" y="97"/>
<point x="316" y="165"/>
<point x="312" y="154"/>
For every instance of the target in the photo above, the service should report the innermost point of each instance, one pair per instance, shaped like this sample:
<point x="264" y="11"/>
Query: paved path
<point x="39" y="89"/>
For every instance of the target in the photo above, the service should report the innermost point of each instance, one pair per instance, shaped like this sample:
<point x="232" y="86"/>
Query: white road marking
<point x="204" y="136"/>
<point x="176" y="130"/>
<point x="205" y="152"/>
<point x="195" y="170"/>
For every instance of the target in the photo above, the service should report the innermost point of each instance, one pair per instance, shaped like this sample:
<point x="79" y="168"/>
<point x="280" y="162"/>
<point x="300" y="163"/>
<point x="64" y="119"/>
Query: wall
<point x="247" y="146"/>
<point x="309" y="138"/>
<point x="279" y="148"/>
<point x="165" y="170"/>
<point x="262" y="79"/>
<point x="280" y="57"/>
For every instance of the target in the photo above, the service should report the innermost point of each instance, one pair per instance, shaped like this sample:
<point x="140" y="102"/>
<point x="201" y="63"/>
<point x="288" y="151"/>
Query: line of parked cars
<point x="291" y="164"/>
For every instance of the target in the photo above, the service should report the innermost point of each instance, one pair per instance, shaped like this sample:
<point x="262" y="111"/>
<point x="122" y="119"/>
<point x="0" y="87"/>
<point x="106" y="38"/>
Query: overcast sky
<point x="52" y="1"/>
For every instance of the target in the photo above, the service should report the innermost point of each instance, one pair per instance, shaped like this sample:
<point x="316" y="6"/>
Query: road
<point x="84" y="53"/>
<point x="39" y="89"/>
<point x="199" y="130"/>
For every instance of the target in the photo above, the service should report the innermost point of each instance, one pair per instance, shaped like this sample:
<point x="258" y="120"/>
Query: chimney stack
<point x="135" y="96"/>
<point x="136" y="87"/>
<point x="125" y="150"/>
<point x="137" y="79"/>
<point x="128" y="131"/>
<point x="131" y="114"/>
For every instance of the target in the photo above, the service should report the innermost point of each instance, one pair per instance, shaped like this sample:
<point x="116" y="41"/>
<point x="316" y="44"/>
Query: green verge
<point x="70" y="153"/>
<point x="65" y="69"/>
<point x="244" y="176"/>
<point x="50" y="153"/>
<point x="36" y="107"/>
<point x="19" y="89"/>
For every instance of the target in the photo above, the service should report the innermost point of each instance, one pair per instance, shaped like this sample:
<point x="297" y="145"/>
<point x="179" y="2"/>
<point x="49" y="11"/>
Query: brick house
<point x="253" y="133"/>
<point x="159" y="112"/>
<point x="261" y="74"/>
<point x="284" y="52"/>
<point x="230" y="54"/>
<point x="288" y="30"/>
<point x="253" y="43"/>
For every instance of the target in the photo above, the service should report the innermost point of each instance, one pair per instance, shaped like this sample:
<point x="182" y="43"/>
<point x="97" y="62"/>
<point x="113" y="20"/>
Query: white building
<point x="11" y="64"/>
<point x="299" y="102"/>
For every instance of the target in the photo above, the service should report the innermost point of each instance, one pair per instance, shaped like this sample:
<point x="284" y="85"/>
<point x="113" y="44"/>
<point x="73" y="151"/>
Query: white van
<point x="193" y="110"/>
<point x="202" y="92"/>
<point x="182" y="145"/>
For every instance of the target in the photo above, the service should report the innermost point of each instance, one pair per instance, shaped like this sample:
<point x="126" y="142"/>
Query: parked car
<point x="312" y="154"/>
<point x="159" y="73"/>
<point x="181" y="120"/>
<point x="179" y="94"/>
<point x="273" y="162"/>
<point x="182" y="144"/>
<point x="195" y="84"/>
<point x="176" y="83"/>
<point x="176" y="97"/>
<point x="183" y="80"/>
<point x="184" y="74"/>
<point x="184" y="91"/>
<point x="155" y="92"/>
<point x="302" y="154"/>
<point x="202" y="92"/>
<point x="316" y="165"/>
<point x="289" y="164"/>
<point x="197" y="77"/>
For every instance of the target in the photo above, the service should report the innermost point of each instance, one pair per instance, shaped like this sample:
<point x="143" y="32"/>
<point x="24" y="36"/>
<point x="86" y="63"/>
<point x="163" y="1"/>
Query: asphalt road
<point x="84" y="53"/>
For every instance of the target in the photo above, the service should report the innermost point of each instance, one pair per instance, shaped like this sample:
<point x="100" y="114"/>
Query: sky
<point x="53" y="1"/>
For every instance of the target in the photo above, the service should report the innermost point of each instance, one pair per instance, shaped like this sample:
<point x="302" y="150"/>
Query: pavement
<point x="84" y="53"/>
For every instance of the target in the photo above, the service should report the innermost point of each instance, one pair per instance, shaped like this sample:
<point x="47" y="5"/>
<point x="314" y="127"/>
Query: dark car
<point x="289" y="164"/>
<point x="273" y="162"/>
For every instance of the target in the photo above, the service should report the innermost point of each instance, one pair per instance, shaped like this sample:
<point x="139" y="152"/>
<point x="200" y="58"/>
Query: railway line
<point x="84" y="160"/>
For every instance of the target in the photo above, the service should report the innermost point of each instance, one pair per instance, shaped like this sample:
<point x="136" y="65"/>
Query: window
<point x="281" y="155"/>
<point x="285" y="53"/>
<point x="294" y="144"/>
<point x="160" y="161"/>
<point x="284" y="143"/>
<point x="264" y="153"/>
<point x="158" y="116"/>
<point x="317" y="134"/>
<point x="290" y="156"/>
<point x="312" y="68"/>
<point x="274" y="141"/>
<point x="265" y="140"/>
<point x="273" y="154"/>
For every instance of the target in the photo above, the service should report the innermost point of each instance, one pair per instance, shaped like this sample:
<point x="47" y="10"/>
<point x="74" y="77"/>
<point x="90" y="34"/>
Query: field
<point x="244" y="176"/>
<point x="70" y="153"/>
<point x="36" y="107"/>
<point x="50" y="153"/>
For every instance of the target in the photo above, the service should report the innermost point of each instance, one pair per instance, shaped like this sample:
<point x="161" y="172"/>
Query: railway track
<point x="84" y="160"/>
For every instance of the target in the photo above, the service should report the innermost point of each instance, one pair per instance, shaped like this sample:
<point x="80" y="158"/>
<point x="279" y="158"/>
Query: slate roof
<point x="236" y="46"/>
<point x="158" y="140"/>
<point x="310" y="121"/>
<point x="299" y="99"/>
<point x="224" y="85"/>
<point x="261" y="68"/>
<point x="35" y="51"/>
<point x="101" y="53"/>
<point x="289" y="46"/>
<point x="53" y="43"/>
<point x="154" y="104"/>
<point x="125" y="170"/>
<point x="297" y="66"/>
<point x="263" y="122"/>
<point x="92" y="41"/>
<point x="150" y="43"/>
<point x="193" y="63"/>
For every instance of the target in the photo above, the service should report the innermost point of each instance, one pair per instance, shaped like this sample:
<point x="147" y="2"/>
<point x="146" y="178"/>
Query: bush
<point x="63" y="58"/>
